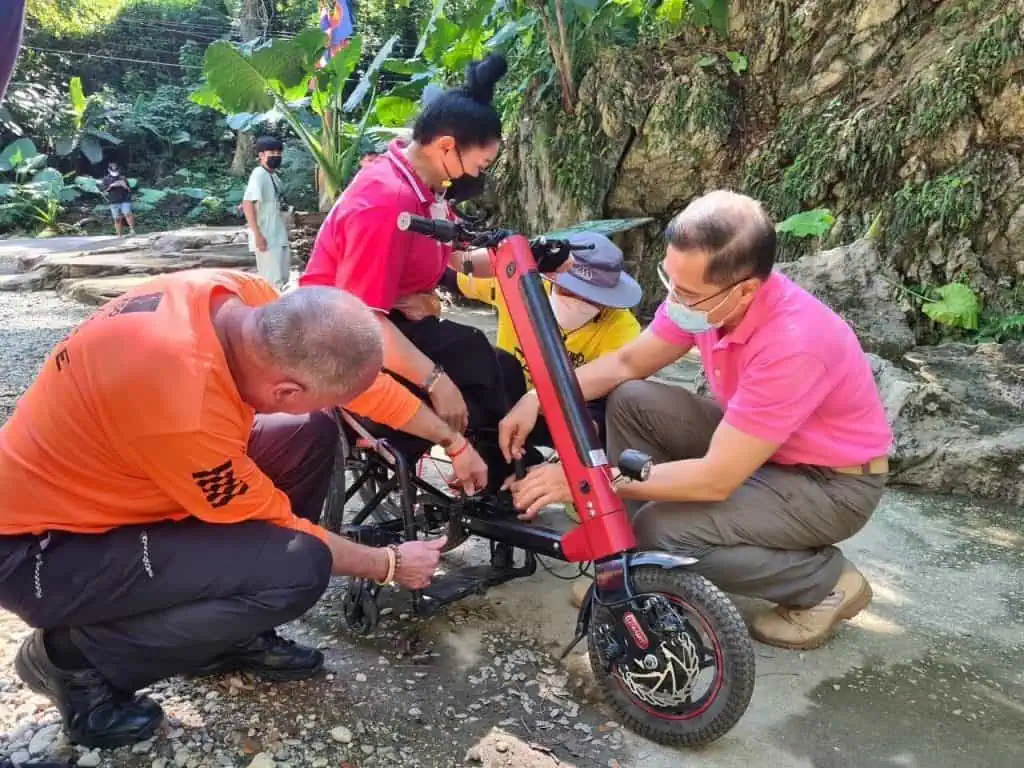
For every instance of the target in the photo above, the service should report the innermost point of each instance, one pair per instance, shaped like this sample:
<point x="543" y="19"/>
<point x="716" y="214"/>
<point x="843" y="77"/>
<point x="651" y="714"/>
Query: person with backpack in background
<point x="265" y="208"/>
<point x="119" y="196"/>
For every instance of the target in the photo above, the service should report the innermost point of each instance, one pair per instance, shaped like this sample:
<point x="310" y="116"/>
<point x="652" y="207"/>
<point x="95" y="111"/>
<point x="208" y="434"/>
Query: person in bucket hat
<point x="591" y="302"/>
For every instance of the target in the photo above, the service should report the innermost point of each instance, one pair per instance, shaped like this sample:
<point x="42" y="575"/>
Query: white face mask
<point x="114" y="173"/>
<point x="689" y="320"/>
<point x="694" y="320"/>
<point x="572" y="313"/>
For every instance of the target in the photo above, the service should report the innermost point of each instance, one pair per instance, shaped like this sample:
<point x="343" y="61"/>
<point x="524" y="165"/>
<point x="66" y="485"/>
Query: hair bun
<point x="482" y="76"/>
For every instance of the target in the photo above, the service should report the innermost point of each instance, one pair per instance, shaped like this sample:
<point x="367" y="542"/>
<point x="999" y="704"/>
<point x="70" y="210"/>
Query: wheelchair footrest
<point x="370" y="535"/>
<point x="466" y="581"/>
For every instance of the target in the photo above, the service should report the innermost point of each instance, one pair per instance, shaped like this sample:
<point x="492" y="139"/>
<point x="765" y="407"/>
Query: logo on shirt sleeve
<point x="219" y="485"/>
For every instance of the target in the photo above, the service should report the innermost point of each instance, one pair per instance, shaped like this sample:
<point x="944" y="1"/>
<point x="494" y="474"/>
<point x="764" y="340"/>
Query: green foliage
<point x="71" y="17"/>
<point x="957" y="306"/>
<point x="17" y="153"/>
<point x="575" y="151"/>
<point x="946" y="95"/>
<point x="86" y="116"/>
<point x="1001" y="329"/>
<point x="272" y="81"/>
<point x="862" y="146"/>
<point x="738" y="62"/>
<point x="814" y="223"/>
<point x="704" y="101"/>
<point x="947" y="205"/>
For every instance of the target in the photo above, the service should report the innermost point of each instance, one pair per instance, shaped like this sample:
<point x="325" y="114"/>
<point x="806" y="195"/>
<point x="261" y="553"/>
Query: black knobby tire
<point x="333" y="515"/>
<point x="719" y="621"/>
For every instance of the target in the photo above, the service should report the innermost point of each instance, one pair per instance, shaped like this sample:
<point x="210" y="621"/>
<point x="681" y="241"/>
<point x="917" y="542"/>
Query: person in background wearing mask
<point x="591" y="303"/>
<point x="265" y="208"/>
<point x="119" y="195"/>
<point x="789" y="456"/>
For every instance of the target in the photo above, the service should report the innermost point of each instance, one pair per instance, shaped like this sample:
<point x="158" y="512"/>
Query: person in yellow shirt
<point x="591" y="302"/>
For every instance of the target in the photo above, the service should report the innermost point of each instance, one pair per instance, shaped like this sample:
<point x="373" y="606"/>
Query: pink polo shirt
<point x="359" y="247"/>
<point x="793" y="373"/>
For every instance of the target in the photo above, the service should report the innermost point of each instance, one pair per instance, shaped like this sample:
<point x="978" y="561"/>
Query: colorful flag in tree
<point x="336" y="20"/>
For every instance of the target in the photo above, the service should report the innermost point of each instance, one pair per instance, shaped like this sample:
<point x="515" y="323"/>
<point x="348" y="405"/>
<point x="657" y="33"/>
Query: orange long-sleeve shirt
<point x="135" y="418"/>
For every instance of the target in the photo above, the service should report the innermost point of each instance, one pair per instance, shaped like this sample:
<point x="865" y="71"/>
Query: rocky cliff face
<point x="905" y="117"/>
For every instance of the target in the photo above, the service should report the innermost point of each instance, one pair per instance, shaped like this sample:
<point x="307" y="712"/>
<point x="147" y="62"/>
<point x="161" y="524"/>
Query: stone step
<point x="99" y="290"/>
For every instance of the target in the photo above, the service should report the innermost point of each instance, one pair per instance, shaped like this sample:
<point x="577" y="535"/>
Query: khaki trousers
<point x="774" y="537"/>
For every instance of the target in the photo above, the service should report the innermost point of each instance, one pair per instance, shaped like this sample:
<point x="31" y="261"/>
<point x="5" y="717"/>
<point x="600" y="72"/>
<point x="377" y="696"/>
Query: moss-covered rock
<point x="903" y="116"/>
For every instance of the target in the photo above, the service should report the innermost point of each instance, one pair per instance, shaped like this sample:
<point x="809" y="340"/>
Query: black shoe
<point x="270" y="656"/>
<point x="95" y="713"/>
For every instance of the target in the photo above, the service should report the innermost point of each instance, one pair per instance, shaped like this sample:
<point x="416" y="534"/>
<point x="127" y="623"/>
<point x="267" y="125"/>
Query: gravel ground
<point x="31" y="324"/>
<point x="468" y="687"/>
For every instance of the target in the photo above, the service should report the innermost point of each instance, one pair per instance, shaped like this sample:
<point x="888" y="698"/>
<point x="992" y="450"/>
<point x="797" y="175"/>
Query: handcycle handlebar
<point x="446" y="231"/>
<point x="439" y="229"/>
<point x="605" y="528"/>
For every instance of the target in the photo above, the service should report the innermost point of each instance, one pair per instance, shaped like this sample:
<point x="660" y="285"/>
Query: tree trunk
<point x="250" y="27"/>
<point x="243" y="154"/>
<point x="560" y="56"/>
<point x="566" y="57"/>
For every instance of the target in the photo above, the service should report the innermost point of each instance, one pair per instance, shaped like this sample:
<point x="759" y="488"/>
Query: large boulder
<point x="957" y="413"/>
<point x="854" y="282"/>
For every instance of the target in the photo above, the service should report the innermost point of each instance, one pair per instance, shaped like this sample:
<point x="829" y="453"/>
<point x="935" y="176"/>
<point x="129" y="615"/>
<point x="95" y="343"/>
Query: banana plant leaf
<point x="606" y="227"/>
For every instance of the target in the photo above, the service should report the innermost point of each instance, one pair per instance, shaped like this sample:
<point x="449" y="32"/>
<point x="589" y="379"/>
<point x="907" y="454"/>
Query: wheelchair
<point x="670" y="652"/>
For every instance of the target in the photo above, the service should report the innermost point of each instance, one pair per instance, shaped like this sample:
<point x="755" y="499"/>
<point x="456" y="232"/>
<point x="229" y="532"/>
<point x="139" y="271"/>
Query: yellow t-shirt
<point x="610" y="330"/>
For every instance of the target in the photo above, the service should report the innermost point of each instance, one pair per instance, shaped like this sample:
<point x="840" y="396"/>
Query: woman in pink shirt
<point x="359" y="248"/>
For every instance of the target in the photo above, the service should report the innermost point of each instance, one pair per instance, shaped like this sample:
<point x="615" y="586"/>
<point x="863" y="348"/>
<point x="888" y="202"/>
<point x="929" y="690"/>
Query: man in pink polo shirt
<point x="788" y="458"/>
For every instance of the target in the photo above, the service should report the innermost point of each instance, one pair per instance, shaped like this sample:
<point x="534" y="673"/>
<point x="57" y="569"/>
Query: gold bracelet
<point x="390" y="573"/>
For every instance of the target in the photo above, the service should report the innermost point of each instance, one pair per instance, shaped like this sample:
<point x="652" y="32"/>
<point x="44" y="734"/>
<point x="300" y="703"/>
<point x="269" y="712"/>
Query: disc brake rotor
<point x="665" y="676"/>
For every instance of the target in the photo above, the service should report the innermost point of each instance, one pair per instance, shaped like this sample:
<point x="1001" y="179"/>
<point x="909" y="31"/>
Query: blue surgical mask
<point x="689" y="320"/>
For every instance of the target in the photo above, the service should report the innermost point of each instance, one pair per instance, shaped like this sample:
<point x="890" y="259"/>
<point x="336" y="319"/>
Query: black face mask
<point x="466" y="187"/>
<point x="274" y="162"/>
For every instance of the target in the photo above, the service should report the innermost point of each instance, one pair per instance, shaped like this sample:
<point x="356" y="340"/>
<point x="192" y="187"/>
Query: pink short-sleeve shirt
<point x="793" y="373"/>
<point x="359" y="247"/>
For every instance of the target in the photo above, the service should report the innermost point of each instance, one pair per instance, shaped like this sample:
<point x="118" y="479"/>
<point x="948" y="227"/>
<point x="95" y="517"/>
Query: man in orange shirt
<point x="160" y="484"/>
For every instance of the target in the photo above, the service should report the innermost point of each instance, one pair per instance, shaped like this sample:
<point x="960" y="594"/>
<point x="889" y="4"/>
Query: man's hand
<point x="418" y="561"/>
<point x="544" y="484"/>
<point x="449" y="404"/>
<point x="470" y="469"/>
<point x="260" y="241"/>
<point x="517" y="426"/>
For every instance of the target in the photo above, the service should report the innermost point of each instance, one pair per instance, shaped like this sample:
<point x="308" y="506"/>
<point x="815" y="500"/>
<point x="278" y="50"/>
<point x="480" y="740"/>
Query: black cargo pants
<point x="147" y="602"/>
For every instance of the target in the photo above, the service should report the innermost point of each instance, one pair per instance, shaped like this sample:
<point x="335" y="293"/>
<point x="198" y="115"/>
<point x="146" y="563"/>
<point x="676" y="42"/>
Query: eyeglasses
<point x="675" y="297"/>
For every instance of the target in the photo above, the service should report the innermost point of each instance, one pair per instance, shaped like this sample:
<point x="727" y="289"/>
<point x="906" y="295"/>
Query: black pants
<point x="489" y="379"/>
<point x="146" y="602"/>
<point x="541" y="435"/>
